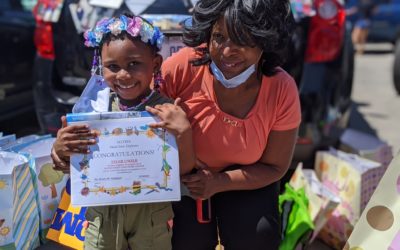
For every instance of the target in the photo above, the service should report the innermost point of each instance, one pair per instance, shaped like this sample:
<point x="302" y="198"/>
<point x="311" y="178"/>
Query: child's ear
<point x="157" y="62"/>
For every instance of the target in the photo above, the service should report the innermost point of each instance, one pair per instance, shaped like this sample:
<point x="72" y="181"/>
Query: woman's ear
<point x="157" y="63"/>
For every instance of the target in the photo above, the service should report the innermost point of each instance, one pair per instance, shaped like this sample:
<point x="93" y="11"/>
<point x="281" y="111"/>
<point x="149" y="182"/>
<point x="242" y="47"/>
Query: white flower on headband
<point x="98" y="36"/>
<point x="146" y="32"/>
<point x="115" y="27"/>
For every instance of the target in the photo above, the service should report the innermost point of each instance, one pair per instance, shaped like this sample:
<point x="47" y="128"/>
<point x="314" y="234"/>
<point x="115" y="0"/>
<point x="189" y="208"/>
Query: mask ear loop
<point x="95" y="62"/>
<point x="97" y="65"/>
<point x="158" y="80"/>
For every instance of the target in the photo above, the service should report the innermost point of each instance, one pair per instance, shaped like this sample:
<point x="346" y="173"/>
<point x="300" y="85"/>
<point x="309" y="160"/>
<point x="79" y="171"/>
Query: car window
<point x="17" y="4"/>
<point x="5" y="5"/>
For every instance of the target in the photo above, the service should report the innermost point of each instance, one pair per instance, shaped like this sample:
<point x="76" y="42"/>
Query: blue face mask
<point x="235" y="81"/>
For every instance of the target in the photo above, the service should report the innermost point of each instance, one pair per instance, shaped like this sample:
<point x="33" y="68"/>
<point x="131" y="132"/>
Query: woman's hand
<point x="203" y="184"/>
<point x="74" y="139"/>
<point x="172" y="116"/>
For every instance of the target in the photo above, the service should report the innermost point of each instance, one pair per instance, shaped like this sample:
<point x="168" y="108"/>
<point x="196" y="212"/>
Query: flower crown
<point x="135" y="27"/>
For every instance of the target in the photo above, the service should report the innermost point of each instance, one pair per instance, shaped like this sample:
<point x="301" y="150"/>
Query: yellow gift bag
<point x="379" y="225"/>
<point x="353" y="179"/>
<point x="67" y="227"/>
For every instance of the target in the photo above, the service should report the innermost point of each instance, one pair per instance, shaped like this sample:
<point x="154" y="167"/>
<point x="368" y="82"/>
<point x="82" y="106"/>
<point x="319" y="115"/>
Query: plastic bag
<point x="94" y="98"/>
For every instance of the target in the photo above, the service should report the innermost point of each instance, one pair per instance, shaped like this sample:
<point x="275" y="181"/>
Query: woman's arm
<point x="270" y="168"/>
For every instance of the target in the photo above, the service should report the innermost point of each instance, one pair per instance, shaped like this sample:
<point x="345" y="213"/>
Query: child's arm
<point x="174" y="119"/>
<point x="70" y="139"/>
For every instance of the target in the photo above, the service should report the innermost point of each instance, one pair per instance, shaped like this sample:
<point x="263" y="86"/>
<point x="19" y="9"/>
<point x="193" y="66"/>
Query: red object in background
<point x="203" y="211"/>
<point x="326" y="33"/>
<point x="43" y="36"/>
<point x="44" y="40"/>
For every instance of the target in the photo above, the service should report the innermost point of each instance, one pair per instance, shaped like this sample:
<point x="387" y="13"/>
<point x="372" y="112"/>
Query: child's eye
<point x="113" y="68"/>
<point x="133" y="64"/>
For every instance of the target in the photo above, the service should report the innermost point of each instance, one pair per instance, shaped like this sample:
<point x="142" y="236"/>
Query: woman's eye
<point x="219" y="38"/>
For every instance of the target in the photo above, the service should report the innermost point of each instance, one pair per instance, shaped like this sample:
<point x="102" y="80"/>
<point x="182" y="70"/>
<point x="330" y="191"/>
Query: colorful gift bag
<point x="5" y="140"/>
<point x="379" y="225"/>
<point x="67" y="227"/>
<point x="296" y="221"/>
<point x="49" y="183"/>
<point x="353" y="179"/>
<point x="322" y="202"/>
<point x="16" y="144"/>
<point x="366" y="146"/>
<point x="19" y="217"/>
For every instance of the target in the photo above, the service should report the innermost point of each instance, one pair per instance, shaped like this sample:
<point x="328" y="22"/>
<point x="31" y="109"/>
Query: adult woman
<point x="244" y="112"/>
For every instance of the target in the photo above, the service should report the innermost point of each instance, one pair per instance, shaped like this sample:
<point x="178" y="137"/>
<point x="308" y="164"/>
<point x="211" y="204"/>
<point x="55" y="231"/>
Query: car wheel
<point x="396" y="67"/>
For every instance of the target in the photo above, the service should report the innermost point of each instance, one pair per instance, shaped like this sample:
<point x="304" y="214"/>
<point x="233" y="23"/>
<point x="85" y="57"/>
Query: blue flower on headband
<point x="102" y="25"/>
<point x="158" y="37"/>
<point x="135" y="27"/>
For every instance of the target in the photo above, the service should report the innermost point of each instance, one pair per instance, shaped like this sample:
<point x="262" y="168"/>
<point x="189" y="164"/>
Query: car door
<point x="16" y="57"/>
<point x="385" y="21"/>
<point x="16" y="46"/>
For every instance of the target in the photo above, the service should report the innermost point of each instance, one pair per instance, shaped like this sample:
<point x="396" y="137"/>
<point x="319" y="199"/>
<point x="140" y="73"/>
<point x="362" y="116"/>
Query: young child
<point x="127" y="52"/>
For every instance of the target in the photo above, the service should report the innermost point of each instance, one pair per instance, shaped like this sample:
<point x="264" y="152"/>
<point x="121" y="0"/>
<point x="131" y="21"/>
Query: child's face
<point x="128" y="67"/>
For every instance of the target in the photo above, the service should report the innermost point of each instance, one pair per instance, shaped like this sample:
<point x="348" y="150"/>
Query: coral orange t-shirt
<point x="220" y="139"/>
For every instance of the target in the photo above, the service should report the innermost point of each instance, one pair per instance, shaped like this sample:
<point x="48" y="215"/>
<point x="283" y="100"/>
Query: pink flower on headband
<point x="134" y="25"/>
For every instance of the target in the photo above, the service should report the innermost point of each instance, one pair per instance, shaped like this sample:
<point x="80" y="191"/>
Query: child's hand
<point x="173" y="118"/>
<point x="70" y="139"/>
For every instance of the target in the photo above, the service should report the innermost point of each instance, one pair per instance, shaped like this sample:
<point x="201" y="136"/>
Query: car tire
<point x="396" y="67"/>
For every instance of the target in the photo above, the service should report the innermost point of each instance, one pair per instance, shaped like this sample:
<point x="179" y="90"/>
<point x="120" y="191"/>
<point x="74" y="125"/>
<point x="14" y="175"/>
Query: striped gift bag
<point x="48" y="182"/>
<point x="19" y="218"/>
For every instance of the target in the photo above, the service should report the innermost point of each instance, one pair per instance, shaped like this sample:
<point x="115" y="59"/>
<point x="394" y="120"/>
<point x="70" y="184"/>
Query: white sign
<point x="131" y="163"/>
<point x="113" y="4"/>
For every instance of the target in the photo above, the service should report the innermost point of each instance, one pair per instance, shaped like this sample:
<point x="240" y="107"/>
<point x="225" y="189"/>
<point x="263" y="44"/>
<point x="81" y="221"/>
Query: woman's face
<point x="230" y="58"/>
<point x="128" y="67"/>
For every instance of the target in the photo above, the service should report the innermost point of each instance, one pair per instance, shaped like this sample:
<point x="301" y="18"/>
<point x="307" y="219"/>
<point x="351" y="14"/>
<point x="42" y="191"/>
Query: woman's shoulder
<point x="179" y="72"/>
<point x="280" y="80"/>
<point x="282" y="96"/>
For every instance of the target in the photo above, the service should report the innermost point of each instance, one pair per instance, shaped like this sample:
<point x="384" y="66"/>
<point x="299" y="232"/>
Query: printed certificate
<point x="131" y="163"/>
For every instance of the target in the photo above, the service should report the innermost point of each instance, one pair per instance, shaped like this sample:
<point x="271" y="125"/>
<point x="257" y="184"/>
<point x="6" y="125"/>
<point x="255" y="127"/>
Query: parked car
<point x="385" y="27"/>
<point x="320" y="59"/>
<point x="17" y="55"/>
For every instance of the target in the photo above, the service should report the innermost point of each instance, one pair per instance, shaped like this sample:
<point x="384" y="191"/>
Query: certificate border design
<point x="136" y="187"/>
